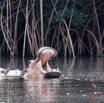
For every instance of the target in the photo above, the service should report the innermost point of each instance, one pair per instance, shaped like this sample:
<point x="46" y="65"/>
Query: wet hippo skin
<point x="40" y="66"/>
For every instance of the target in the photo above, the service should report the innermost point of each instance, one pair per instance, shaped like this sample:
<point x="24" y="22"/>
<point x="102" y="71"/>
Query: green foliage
<point x="78" y="19"/>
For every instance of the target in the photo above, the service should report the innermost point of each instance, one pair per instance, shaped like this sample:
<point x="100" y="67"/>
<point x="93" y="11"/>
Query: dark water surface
<point x="82" y="81"/>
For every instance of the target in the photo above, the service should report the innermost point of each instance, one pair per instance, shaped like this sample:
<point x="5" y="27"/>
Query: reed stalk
<point x="50" y="19"/>
<point x="96" y="15"/>
<point x="31" y="37"/>
<point x="70" y="40"/>
<point x="33" y="34"/>
<point x="41" y="16"/>
<point x="15" y="49"/>
<point x="94" y="39"/>
<point x="5" y="29"/>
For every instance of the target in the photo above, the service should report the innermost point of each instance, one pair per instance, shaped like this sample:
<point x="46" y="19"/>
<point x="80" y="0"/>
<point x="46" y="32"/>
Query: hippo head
<point x="45" y="54"/>
<point x="5" y="71"/>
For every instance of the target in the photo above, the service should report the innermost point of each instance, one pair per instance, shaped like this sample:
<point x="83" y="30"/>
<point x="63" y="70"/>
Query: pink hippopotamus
<point x="38" y="67"/>
<point x="8" y="73"/>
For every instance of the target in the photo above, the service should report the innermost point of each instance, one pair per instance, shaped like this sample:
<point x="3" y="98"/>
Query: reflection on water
<point x="82" y="81"/>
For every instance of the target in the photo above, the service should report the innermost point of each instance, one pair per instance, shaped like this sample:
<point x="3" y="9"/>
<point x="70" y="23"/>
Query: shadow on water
<point x="82" y="81"/>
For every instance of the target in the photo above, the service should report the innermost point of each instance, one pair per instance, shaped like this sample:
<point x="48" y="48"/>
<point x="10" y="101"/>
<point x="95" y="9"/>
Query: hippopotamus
<point x="8" y="72"/>
<point x="38" y="67"/>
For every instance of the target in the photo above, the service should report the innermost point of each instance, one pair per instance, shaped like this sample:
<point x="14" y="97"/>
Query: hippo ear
<point x="55" y="54"/>
<point x="24" y="71"/>
<point x="31" y="61"/>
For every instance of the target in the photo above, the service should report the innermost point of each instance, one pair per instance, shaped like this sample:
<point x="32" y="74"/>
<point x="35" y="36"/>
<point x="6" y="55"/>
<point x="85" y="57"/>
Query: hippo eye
<point x="44" y="53"/>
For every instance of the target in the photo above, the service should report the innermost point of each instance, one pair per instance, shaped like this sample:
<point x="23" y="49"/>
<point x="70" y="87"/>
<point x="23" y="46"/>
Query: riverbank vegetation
<point x="72" y="27"/>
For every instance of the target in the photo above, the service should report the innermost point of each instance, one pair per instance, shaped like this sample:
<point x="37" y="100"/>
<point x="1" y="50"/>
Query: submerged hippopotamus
<point x="8" y="72"/>
<point x="37" y="68"/>
<point x="40" y="66"/>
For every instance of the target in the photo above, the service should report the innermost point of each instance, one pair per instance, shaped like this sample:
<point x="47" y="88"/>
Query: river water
<point x="82" y="81"/>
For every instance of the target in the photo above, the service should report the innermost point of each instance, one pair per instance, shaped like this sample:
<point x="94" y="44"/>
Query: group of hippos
<point x="37" y="68"/>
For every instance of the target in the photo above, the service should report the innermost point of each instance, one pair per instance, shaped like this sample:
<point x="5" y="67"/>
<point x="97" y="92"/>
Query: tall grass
<point x="22" y="32"/>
